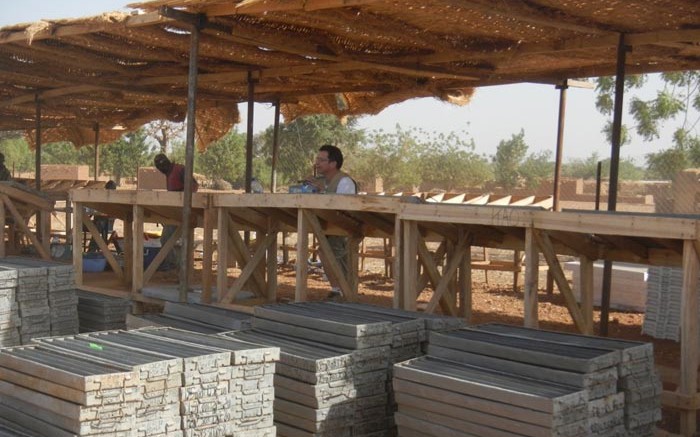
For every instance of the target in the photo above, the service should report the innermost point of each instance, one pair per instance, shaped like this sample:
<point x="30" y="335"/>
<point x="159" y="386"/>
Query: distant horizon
<point x="495" y="113"/>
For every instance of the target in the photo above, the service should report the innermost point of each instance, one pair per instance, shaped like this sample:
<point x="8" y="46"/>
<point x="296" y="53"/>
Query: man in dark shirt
<point x="174" y="181"/>
<point x="5" y="174"/>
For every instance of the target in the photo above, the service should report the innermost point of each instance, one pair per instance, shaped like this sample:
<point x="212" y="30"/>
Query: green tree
<point x="536" y="168"/>
<point x="224" y="159"/>
<point x="587" y="168"/>
<point x="299" y="141"/>
<point x="677" y="102"/>
<point x="18" y="157"/>
<point x="123" y="157"/>
<point x="395" y="157"/>
<point x="509" y="155"/>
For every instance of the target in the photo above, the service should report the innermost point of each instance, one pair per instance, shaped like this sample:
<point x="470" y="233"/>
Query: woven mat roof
<point x="320" y="56"/>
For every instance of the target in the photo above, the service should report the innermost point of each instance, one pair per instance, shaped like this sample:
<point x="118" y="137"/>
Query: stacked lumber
<point x="353" y="396"/>
<point x="251" y="390"/>
<point x="180" y="384"/>
<point x="504" y="380"/>
<point x="314" y="384"/>
<point x="45" y="296"/>
<point x="57" y="394"/>
<point x="98" y="312"/>
<point x="157" y="408"/>
<point x="369" y="342"/>
<point x="10" y="320"/>
<point x="663" y="307"/>
<point x="204" y="319"/>
<point x="637" y="377"/>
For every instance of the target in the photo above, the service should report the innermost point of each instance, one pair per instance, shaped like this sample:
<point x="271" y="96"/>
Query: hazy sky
<point x="494" y="114"/>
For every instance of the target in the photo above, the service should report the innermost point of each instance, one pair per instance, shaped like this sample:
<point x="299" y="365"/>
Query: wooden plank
<point x="19" y="221"/>
<point x="409" y="265"/>
<point x="586" y="286"/>
<point x="221" y="252"/>
<point x="161" y="255"/>
<point x="102" y="244"/>
<point x="330" y="264"/>
<point x="249" y="269"/>
<point x="207" y="253"/>
<point x="302" y="270"/>
<point x="137" y="251"/>
<point x="78" y="212"/>
<point x="272" y="263"/>
<point x="3" y="251"/>
<point x="398" y="298"/>
<point x="465" y="282"/>
<point x="242" y="254"/>
<point x="452" y="265"/>
<point x="530" y="288"/>
<point x="426" y="258"/>
<point x="547" y="249"/>
<point x="689" y="334"/>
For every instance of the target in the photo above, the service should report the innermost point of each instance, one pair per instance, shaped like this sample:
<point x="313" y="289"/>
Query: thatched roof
<point x="322" y="56"/>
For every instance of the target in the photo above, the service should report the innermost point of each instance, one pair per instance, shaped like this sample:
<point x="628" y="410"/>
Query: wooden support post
<point x="532" y="268"/>
<point x="207" y="254"/>
<point x="465" y="285"/>
<point x="398" y="301"/>
<point x="221" y="253"/>
<point x="354" y="263"/>
<point x="102" y="245"/>
<point x="43" y="226"/>
<point x="689" y="335"/>
<point x="272" y="263"/>
<point x="78" y="212"/>
<point x="137" y="249"/>
<point x="410" y="265"/>
<point x="432" y="273"/>
<point x="249" y="269"/>
<point x="330" y="264"/>
<point x="3" y="249"/>
<point x="162" y="254"/>
<point x="586" y="287"/>
<point x="302" y="270"/>
<point x="19" y="221"/>
<point x="242" y="254"/>
<point x="545" y="245"/>
<point x="451" y="268"/>
<point x="128" y="247"/>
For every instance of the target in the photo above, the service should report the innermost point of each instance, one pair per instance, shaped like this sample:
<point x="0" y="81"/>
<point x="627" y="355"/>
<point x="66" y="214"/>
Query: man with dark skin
<point x="174" y="181"/>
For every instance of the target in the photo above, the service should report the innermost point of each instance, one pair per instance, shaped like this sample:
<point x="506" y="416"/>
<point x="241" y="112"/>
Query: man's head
<point x="162" y="163"/>
<point x="328" y="160"/>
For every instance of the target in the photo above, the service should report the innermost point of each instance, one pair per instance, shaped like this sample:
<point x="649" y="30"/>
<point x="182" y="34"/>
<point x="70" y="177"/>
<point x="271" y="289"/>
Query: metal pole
<point x="275" y="147"/>
<point x="187" y="238"/>
<point x="37" y="149"/>
<point x="598" y="181"/>
<point x="560" y="143"/>
<point x="96" y="128"/>
<point x="249" y="134"/>
<point x="614" y="174"/>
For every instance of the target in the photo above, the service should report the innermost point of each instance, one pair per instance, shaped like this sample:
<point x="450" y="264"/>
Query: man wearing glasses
<point x="329" y="161"/>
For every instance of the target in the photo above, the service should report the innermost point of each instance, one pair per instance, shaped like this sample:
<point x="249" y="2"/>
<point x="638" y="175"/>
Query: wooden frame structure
<point x="639" y="238"/>
<point x="21" y="203"/>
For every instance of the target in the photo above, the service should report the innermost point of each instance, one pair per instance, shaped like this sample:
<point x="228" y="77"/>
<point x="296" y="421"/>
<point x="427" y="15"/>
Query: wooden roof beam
<point x="524" y="12"/>
<point x="55" y="30"/>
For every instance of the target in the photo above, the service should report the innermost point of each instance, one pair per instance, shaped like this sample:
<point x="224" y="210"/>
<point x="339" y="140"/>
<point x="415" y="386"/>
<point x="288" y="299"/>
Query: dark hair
<point x="334" y="154"/>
